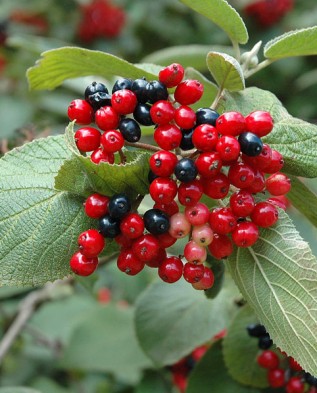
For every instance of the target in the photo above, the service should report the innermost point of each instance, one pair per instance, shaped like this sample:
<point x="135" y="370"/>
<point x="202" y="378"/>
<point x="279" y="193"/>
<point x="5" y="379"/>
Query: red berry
<point x="96" y="205"/>
<point x="245" y="234"/>
<point x="123" y="241"/>
<point x="80" y="111"/>
<point x="197" y="214"/>
<point x="87" y="139"/>
<point x="193" y="273"/>
<point x="168" y="208"/>
<point x="82" y="265"/>
<point x="171" y="269"/>
<point x="262" y="161"/>
<point x="276" y="378"/>
<point x="185" y="117"/>
<point x="242" y="203"/>
<point x="189" y="193"/>
<point x="188" y="92"/>
<point x="294" y="365"/>
<point x="240" y="175"/>
<point x="258" y="184"/>
<point x="268" y="359"/>
<point x="163" y="162"/>
<point x="207" y="281"/>
<point x="165" y="240"/>
<point x="231" y="123"/>
<point x="156" y="261"/>
<point x="208" y="164"/>
<point x="217" y="187"/>
<point x="222" y="220"/>
<point x="194" y="253"/>
<point x="221" y="247"/>
<point x="264" y="214"/>
<point x="124" y="101"/>
<point x="278" y="184"/>
<point x="295" y="385"/>
<point x="91" y="243"/>
<point x="162" y="112"/>
<point x="132" y="226"/>
<point x="259" y="123"/>
<point x="280" y="201"/>
<point x="179" y="226"/>
<point x="168" y="137"/>
<point x="205" y="137"/>
<point x="129" y="263"/>
<point x="99" y="155"/>
<point x="163" y="190"/>
<point x="276" y="163"/>
<point x="146" y="247"/>
<point x="171" y="75"/>
<point x="112" y="141"/>
<point x="228" y="148"/>
<point x="107" y="118"/>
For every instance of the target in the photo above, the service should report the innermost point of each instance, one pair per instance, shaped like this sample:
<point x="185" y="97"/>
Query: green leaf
<point x="301" y="42"/>
<point x="210" y="374"/>
<point x="278" y="277"/>
<point x="165" y="327"/>
<point x="223" y="15"/>
<point x="243" y="369"/>
<point x="294" y="138"/>
<point x="303" y="199"/>
<point x="110" y="346"/>
<point x="151" y="382"/>
<point x="226" y="71"/>
<point x="218" y="268"/>
<point x="57" y="65"/>
<point x="79" y="175"/>
<point x="39" y="226"/>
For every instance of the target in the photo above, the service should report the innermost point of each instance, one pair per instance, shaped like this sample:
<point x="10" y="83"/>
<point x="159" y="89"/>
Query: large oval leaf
<point x="294" y="138"/>
<point x="57" y="65"/>
<point x="39" y="226"/>
<point x="226" y="71"/>
<point x="301" y="42"/>
<point x="172" y="320"/>
<point x="278" y="278"/>
<point x="223" y="15"/>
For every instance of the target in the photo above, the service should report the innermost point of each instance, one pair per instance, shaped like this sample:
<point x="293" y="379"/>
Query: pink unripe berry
<point x="179" y="226"/>
<point x="195" y="253"/>
<point x="203" y="235"/>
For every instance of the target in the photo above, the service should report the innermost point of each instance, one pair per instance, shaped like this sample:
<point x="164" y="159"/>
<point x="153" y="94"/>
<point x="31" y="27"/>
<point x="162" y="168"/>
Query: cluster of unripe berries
<point x="282" y="371"/>
<point x="199" y="153"/>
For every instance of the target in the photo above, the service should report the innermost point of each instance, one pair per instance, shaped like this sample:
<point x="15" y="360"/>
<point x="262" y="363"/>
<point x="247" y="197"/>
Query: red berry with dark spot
<point x="240" y="175"/>
<point x="129" y="263"/>
<point x="146" y="247"/>
<point x="185" y="117"/>
<point x="217" y="187"/>
<point x="99" y="155"/>
<point x="96" y="205"/>
<point x="171" y="75"/>
<point x="107" y="118"/>
<point x="162" y="112"/>
<point x="83" y="266"/>
<point x="193" y="273"/>
<point x="222" y="220"/>
<point x="264" y="214"/>
<point x="80" y="111"/>
<point x="245" y="234"/>
<point x="188" y="92"/>
<point x="171" y="269"/>
<point x="91" y="243"/>
<point x="205" y="137"/>
<point x="242" y="203"/>
<point x="112" y="141"/>
<point x="168" y="137"/>
<point x="132" y="225"/>
<point x="221" y="247"/>
<point x="207" y="281"/>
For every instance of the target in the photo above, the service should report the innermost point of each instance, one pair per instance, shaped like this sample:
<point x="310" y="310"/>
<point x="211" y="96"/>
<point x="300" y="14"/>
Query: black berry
<point x="156" y="91"/>
<point x="119" y="205"/>
<point x="265" y="342"/>
<point x="256" y="330"/>
<point x="156" y="221"/>
<point x="250" y="144"/>
<point x="185" y="170"/>
<point x="206" y="116"/>
<point x="121" y="84"/>
<point x="130" y="130"/>
<point x="97" y="95"/>
<point x="142" y="114"/>
<point x="310" y="379"/>
<point x="187" y="139"/>
<point x="109" y="226"/>
<point x="139" y="89"/>
<point x="95" y="87"/>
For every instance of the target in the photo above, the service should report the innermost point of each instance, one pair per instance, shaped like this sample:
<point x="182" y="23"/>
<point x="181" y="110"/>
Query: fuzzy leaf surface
<point x="57" y="65"/>
<point x="226" y="71"/>
<point x="294" y="138"/>
<point x="165" y="327"/>
<point x="278" y="278"/>
<point x="223" y="15"/>
<point x="302" y="42"/>
<point x="39" y="226"/>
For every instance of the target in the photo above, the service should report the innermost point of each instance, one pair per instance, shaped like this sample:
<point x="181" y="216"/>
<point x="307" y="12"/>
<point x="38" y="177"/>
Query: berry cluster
<point x="268" y="12"/>
<point x="283" y="371"/>
<point x="199" y="153"/>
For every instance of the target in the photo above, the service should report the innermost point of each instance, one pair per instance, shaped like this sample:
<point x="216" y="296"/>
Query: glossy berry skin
<point x="240" y="175"/>
<point x="171" y="75"/>
<point x="170" y="208"/>
<point x="179" y="226"/>
<point x="295" y="366"/>
<point x="217" y="187"/>
<point x="123" y="241"/>
<point x="119" y="205"/>
<point x="99" y="155"/>
<point x="109" y="226"/>
<point x="112" y="141"/>
<point x="206" y="116"/>
<point x="258" y="184"/>
<point x="222" y="220"/>
<point x="91" y="243"/>
<point x="96" y="205"/>
<point x="245" y="234"/>
<point x="187" y="139"/>
<point x="195" y="253"/>
<point x="168" y="137"/>
<point x="188" y="92"/>
<point x="156" y="91"/>
<point x="242" y="203"/>
<point x="97" y="95"/>
<point x="202" y="235"/>
<point x="197" y="214"/>
<point x="189" y="193"/>
<point x="207" y="281"/>
<point x="171" y="269"/>
<point x="228" y="148"/>
<point x="276" y="163"/>
<point x="87" y="139"/>
<point x="130" y="130"/>
<point x="132" y="226"/>
<point x="163" y="163"/>
<point x="205" y="137"/>
<point x="107" y="118"/>
<point x="142" y="114"/>
<point x="231" y="123"/>
<point x="185" y="170"/>
<point x="95" y="87"/>
<point x="124" y="101"/>
<point x="262" y="161"/>
<point x="156" y="221"/>
<point x="264" y="214"/>
<point x="193" y="273"/>
<point x="81" y="265"/>
<point x="268" y="359"/>
<point x="146" y="247"/>
<point x="295" y="385"/>
<point x="163" y="190"/>
<point x="121" y="84"/>
<point x="208" y="164"/>
<point x="278" y="184"/>
<point x="128" y="263"/>
<point x="155" y="262"/>
<point x="185" y="117"/>
<point x="276" y="378"/>
<point x="162" y="112"/>
<point x="256" y="330"/>
<point x="265" y="341"/>
<point x="165" y="240"/>
<point x="250" y="144"/>
<point x="259" y="123"/>
<point x="221" y="247"/>
<point x="80" y="111"/>
<point x="139" y="89"/>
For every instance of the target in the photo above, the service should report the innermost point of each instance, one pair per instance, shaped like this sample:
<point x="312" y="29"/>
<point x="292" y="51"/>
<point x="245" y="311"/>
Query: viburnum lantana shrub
<point x="165" y="169"/>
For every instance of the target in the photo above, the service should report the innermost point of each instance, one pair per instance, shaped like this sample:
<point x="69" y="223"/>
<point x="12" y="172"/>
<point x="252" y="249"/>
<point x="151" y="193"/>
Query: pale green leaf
<point x="243" y="369"/>
<point x="105" y="342"/>
<point x="57" y="65"/>
<point x="18" y="389"/>
<point x="211" y="375"/>
<point x="165" y="315"/>
<point x="39" y="226"/>
<point x="294" y="138"/>
<point x="223" y="15"/>
<point x="301" y="42"/>
<point x="278" y="278"/>
<point x="226" y="71"/>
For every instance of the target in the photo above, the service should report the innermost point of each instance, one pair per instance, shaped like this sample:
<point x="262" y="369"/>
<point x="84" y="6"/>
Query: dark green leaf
<point x="218" y="268"/>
